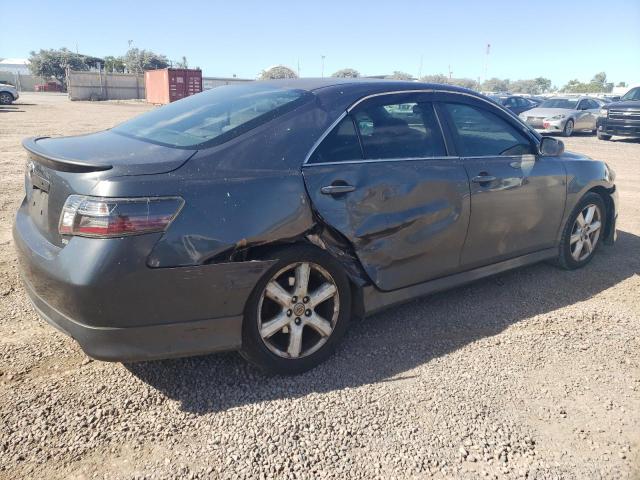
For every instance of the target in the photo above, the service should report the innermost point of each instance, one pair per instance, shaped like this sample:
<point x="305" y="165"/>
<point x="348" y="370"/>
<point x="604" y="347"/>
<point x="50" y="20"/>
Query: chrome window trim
<point x="523" y="125"/>
<point x="381" y="160"/>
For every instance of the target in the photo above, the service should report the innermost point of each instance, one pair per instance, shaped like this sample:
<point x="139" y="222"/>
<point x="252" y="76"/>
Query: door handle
<point x="337" y="189"/>
<point x="483" y="179"/>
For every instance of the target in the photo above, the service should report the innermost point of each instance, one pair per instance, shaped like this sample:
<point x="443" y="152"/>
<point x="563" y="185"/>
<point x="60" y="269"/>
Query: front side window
<point x="391" y="130"/>
<point x="214" y="116"/>
<point x="480" y="133"/>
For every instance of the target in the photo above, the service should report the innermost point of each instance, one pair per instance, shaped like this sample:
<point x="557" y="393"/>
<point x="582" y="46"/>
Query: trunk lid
<point x="59" y="167"/>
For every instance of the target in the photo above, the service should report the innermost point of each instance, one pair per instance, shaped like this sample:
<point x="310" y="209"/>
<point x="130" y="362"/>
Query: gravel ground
<point x="531" y="374"/>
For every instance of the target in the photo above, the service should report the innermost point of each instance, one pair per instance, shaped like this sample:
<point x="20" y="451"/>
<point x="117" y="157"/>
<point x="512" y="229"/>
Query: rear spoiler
<point x="59" y="163"/>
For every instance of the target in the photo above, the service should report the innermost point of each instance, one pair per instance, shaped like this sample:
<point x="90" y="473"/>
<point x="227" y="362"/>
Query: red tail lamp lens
<point x="117" y="217"/>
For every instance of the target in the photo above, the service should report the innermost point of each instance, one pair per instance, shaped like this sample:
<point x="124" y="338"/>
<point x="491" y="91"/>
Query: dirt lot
<point x="531" y="374"/>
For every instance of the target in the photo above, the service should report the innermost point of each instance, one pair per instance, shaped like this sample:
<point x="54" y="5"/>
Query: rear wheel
<point x="603" y="136"/>
<point x="568" y="128"/>
<point x="582" y="233"/>
<point x="297" y="312"/>
<point x="6" y="98"/>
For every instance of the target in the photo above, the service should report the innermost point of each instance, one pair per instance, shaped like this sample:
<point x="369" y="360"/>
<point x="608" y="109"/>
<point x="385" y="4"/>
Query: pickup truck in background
<point x="620" y="118"/>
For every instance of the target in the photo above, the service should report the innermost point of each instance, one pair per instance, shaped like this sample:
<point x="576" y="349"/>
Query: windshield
<point x="214" y="116"/>
<point x="633" y="94"/>
<point x="559" y="103"/>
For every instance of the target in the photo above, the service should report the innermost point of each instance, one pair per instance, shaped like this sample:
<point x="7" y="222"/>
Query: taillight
<point x="117" y="217"/>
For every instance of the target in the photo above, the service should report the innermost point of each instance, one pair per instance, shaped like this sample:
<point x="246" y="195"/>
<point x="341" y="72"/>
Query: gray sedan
<point x="261" y="217"/>
<point x="564" y="115"/>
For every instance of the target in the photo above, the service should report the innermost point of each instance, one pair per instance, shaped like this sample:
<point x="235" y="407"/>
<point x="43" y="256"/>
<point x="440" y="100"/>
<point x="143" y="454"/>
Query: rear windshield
<point x="560" y="103"/>
<point x="214" y="116"/>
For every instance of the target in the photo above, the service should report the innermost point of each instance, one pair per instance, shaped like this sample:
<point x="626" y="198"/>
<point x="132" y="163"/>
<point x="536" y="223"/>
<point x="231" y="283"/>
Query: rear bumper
<point x="144" y="343"/>
<point x="102" y="293"/>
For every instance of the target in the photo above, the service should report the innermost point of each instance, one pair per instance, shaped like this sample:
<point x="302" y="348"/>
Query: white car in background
<point x="8" y="94"/>
<point x="564" y="115"/>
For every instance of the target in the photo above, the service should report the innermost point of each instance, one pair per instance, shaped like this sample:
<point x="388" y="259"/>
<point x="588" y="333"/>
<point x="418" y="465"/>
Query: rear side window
<point x="391" y="130"/>
<point x="481" y="133"/>
<point x="214" y="116"/>
<point x="340" y="145"/>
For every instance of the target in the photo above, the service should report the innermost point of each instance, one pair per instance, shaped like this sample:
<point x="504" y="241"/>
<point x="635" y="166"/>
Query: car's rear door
<point x="517" y="196"/>
<point x="383" y="179"/>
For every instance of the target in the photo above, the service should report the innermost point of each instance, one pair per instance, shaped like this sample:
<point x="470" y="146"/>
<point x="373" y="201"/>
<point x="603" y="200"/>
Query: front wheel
<point x="581" y="234"/>
<point x="297" y="312"/>
<point x="603" y="136"/>
<point x="568" y="128"/>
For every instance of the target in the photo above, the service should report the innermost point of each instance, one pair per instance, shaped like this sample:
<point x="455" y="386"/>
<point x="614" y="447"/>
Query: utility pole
<point x="322" y="57"/>
<point x="450" y="72"/>
<point x="486" y="60"/>
<point x="420" y="70"/>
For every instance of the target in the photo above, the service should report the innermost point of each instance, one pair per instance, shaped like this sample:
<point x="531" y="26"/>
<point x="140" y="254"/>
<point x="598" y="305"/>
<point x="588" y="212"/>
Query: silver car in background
<point x="564" y="115"/>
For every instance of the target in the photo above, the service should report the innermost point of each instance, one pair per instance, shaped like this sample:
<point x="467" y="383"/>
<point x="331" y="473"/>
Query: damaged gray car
<point x="262" y="217"/>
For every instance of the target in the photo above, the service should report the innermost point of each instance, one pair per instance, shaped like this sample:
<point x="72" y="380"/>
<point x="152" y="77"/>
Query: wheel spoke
<point x="587" y="245"/>
<point x="295" y="341"/>
<point x="302" y="279"/>
<point x="577" y="250"/>
<point x="272" y="327"/>
<point x="574" y="238"/>
<point x="320" y="325"/>
<point x="594" y="227"/>
<point x="580" y="220"/>
<point x="590" y="212"/>
<point x="278" y="294"/>
<point x="323" y="293"/>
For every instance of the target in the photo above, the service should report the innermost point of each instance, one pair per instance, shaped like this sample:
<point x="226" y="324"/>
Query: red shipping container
<point x="171" y="84"/>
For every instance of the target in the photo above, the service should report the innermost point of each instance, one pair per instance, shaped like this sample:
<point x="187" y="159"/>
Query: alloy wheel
<point x="586" y="232"/>
<point x="298" y="310"/>
<point x="5" y="98"/>
<point x="568" y="128"/>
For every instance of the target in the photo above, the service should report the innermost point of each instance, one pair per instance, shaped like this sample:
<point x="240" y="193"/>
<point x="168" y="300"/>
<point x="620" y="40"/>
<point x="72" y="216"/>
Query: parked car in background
<point x="262" y="216"/>
<point x="8" y="94"/>
<point x="515" y="103"/>
<point x="620" y="118"/>
<point x="564" y="115"/>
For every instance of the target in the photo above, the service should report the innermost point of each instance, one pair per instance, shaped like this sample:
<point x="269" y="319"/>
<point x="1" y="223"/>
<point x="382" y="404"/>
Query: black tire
<point x="566" y="131"/>
<point x="565" y="259"/>
<point x="254" y="348"/>
<point x="603" y="136"/>
<point x="6" y="98"/>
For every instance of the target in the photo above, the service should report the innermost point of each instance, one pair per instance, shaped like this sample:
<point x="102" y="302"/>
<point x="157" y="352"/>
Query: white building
<point x="15" y="65"/>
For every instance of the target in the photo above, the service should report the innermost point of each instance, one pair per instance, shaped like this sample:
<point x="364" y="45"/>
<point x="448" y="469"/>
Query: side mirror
<point x="551" y="147"/>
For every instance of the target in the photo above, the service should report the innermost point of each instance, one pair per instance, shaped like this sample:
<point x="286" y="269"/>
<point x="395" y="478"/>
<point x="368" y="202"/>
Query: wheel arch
<point x="604" y="193"/>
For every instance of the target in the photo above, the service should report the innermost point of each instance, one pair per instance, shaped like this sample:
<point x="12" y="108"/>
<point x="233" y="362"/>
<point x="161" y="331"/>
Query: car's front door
<point x="517" y="196"/>
<point x="383" y="179"/>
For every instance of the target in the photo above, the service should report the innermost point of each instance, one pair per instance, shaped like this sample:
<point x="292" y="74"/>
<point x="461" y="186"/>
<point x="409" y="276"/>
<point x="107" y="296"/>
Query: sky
<point x="559" y="40"/>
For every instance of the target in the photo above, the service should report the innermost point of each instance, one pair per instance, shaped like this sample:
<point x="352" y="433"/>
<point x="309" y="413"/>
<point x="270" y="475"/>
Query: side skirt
<point x="376" y="300"/>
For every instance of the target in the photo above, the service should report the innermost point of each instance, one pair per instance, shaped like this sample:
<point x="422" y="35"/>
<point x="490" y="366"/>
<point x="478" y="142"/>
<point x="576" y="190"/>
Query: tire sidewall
<point x="253" y="347"/>
<point x="565" y="131"/>
<point x="4" y="96"/>
<point x="566" y="259"/>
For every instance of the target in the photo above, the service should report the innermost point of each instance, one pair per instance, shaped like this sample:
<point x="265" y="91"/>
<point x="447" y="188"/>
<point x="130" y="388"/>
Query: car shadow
<point x="387" y="346"/>
<point x="10" y="109"/>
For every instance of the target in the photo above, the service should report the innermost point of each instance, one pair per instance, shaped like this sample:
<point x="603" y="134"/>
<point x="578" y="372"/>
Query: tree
<point x="397" y="75"/>
<point x="597" y="84"/>
<point x="463" y="82"/>
<point x="436" y="78"/>
<point x="137" y="61"/>
<point x="346" y="73"/>
<point x="496" y="85"/>
<point x="114" y="64"/>
<point x="621" y="84"/>
<point x="182" y="63"/>
<point x="54" y="63"/>
<point x="543" y="84"/>
<point x="277" y="72"/>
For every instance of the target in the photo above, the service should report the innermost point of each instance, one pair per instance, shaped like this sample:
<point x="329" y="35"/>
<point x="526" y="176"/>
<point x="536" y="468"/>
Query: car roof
<point x="313" y="84"/>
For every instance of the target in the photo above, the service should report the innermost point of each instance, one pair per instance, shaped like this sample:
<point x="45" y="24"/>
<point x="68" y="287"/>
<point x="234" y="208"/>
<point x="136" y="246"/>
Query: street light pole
<point x="322" y="74"/>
